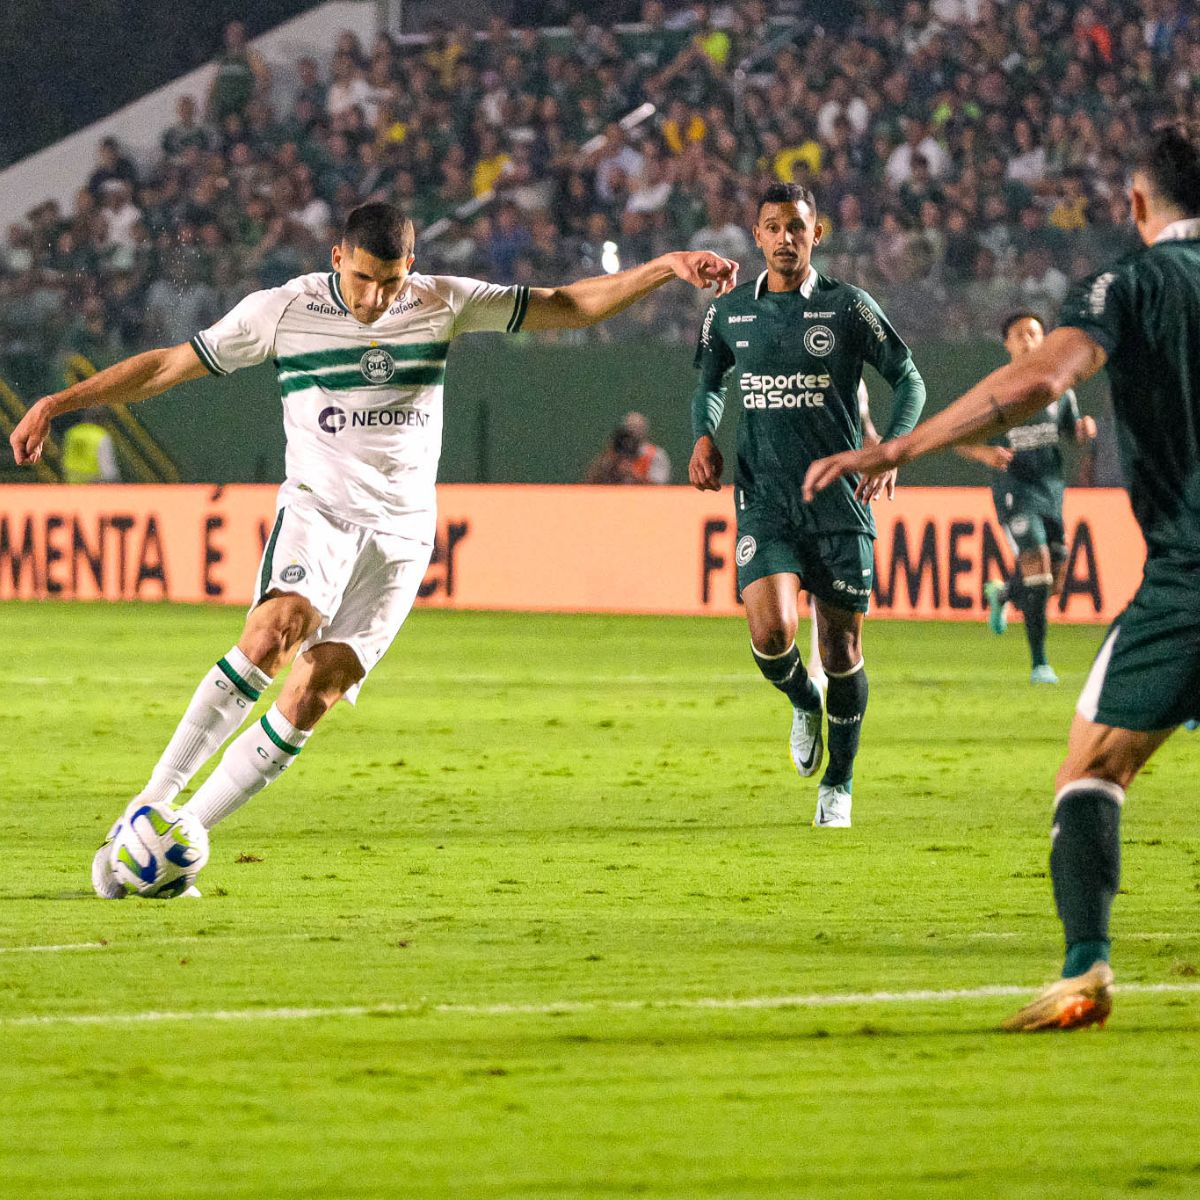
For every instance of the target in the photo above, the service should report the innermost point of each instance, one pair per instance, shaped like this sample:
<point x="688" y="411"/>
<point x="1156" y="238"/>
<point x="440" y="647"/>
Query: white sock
<point x="816" y="670"/>
<point x="261" y="754"/>
<point x="220" y="704"/>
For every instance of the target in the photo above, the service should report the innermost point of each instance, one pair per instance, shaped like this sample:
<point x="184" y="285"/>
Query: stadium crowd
<point x="964" y="154"/>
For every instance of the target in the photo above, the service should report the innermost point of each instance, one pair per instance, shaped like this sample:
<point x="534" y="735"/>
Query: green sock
<point x="1081" y="955"/>
<point x="845" y="704"/>
<point x="786" y="672"/>
<point x="1085" y="867"/>
<point x="1034" y="597"/>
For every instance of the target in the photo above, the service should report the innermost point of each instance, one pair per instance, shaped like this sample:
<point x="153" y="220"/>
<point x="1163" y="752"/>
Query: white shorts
<point x="363" y="582"/>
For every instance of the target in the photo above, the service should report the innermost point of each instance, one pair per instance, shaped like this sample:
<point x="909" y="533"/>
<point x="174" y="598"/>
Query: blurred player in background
<point x="796" y="342"/>
<point x="1140" y="318"/>
<point x="1028" y="492"/>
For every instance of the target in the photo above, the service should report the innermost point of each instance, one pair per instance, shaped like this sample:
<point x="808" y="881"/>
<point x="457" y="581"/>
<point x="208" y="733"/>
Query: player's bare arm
<point x="1002" y="399"/>
<point x="136" y="378"/>
<point x="589" y="301"/>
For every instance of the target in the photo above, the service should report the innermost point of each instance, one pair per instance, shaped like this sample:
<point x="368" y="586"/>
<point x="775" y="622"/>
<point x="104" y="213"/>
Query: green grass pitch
<point x="514" y="876"/>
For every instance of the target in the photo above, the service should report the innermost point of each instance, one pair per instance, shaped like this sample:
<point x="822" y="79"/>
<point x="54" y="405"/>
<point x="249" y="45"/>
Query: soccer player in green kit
<point x="1139" y="318"/>
<point x="793" y="343"/>
<point x="1028" y="491"/>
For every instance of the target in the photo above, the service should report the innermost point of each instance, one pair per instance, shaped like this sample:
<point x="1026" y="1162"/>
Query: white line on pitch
<point x="542" y="680"/>
<point x="53" y="949"/>
<point x="214" y="939"/>
<point x="816" y="1000"/>
<point x="1157" y="936"/>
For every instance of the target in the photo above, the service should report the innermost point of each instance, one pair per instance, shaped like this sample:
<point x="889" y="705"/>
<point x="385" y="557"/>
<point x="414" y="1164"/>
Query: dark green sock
<point x="1034" y="597"/>
<point x="1085" y="867"/>
<point x="1014" y="588"/>
<point x="845" y="704"/>
<point x="787" y="673"/>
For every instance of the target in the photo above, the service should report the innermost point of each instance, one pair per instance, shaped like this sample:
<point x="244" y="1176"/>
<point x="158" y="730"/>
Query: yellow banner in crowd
<point x="532" y="548"/>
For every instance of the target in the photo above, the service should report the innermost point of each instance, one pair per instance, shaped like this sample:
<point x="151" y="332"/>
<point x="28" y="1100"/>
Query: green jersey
<point x="795" y="360"/>
<point x="1145" y="313"/>
<point x="1036" y="456"/>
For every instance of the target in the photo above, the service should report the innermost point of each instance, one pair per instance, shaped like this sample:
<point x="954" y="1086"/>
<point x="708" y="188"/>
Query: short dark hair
<point x="380" y="229"/>
<point x="1021" y="314"/>
<point x="1171" y="158"/>
<point x="787" y="193"/>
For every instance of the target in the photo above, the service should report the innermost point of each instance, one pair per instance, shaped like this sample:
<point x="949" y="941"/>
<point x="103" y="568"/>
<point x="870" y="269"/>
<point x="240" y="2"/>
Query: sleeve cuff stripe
<point x="206" y="356"/>
<point x="519" y="306"/>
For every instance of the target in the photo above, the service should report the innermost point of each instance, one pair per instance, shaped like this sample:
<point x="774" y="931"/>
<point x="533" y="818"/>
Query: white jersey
<point x="362" y="404"/>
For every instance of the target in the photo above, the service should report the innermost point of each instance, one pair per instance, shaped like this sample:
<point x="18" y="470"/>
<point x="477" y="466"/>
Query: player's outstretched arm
<point x="136" y="378"/>
<point x="589" y="301"/>
<point x="1004" y="398"/>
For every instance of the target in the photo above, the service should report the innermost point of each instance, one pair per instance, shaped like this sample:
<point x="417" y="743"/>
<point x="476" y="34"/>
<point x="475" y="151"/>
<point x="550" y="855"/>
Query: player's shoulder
<point x="313" y="286"/>
<point x="1090" y="296"/>
<point x="442" y="286"/>
<point x="832" y="288"/>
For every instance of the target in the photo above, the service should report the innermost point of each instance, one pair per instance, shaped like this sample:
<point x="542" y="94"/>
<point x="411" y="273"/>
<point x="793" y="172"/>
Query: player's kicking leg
<point x="1085" y="866"/>
<point x="273" y="633"/>
<point x="322" y="675"/>
<point x="771" y="610"/>
<point x="840" y="632"/>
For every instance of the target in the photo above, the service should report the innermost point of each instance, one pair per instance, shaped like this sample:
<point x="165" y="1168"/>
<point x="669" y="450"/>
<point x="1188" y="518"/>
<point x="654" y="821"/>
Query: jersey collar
<point x="335" y="290"/>
<point x="805" y="289"/>
<point x="1179" y="231"/>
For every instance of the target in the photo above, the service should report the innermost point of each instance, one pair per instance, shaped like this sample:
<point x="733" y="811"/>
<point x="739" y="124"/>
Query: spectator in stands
<point x="241" y="74"/>
<point x="187" y="130"/>
<point x="723" y="232"/>
<point x="111" y="165"/>
<point x="965" y="124"/>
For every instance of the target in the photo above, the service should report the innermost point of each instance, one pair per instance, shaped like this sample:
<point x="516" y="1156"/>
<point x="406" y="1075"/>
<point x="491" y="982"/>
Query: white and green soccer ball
<point x="158" y="851"/>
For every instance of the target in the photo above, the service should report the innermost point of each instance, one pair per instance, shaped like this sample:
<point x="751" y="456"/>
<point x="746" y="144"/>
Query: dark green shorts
<point x="836" y="568"/>
<point x="1147" y="674"/>
<point x="1031" y="519"/>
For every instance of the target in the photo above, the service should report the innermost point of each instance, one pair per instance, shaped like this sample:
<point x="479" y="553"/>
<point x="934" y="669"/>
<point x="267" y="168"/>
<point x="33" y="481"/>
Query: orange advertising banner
<point x="533" y="548"/>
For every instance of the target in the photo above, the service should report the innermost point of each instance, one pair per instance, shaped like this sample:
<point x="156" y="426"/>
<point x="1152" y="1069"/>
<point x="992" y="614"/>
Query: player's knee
<point x="841" y="652"/>
<point x="275" y="630"/>
<point x="323" y="686"/>
<point x="773" y="640"/>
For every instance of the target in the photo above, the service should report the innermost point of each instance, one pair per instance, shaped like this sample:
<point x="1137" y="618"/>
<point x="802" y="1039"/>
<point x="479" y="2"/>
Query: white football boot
<point x="806" y="744"/>
<point x="833" y="806"/>
<point x="104" y="881"/>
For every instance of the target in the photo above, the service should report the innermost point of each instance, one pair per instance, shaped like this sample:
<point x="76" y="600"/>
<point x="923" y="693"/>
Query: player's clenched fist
<point x="30" y="435"/>
<point x="704" y="470"/>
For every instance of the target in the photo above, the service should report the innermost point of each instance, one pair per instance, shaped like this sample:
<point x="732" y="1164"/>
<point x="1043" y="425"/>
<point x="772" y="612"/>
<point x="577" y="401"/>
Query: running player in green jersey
<point x="1028" y="491"/>
<point x="794" y="343"/>
<point x="1141" y="319"/>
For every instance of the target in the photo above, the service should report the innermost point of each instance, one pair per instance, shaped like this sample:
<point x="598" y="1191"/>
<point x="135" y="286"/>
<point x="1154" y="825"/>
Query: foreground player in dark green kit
<point x="1141" y="318"/>
<point x="1028" y="491"/>
<point x="795" y="343"/>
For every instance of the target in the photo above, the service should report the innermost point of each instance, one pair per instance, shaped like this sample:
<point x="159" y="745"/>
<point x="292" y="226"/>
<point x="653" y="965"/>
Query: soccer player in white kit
<point x="360" y="353"/>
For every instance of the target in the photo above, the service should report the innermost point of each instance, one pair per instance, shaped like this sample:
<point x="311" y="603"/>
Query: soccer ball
<point x="158" y="851"/>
